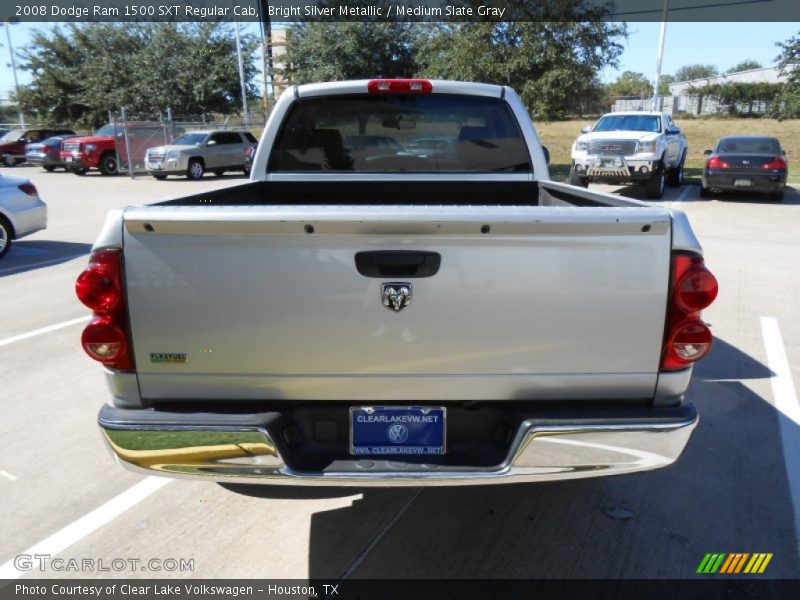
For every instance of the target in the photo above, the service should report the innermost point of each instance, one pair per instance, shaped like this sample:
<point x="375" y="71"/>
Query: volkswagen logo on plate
<point x="397" y="433"/>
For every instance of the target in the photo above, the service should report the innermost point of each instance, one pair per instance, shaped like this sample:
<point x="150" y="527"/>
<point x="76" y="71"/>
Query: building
<point x="278" y="66"/>
<point x="683" y="99"/>
<point x="686" y="101"/>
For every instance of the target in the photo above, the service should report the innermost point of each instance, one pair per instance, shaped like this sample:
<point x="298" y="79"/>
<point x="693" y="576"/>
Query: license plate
<point x="743" y="182"/>
<point x="155" y="166"/>
<point x="397" y="430"/>
<point x="68" y="159"/>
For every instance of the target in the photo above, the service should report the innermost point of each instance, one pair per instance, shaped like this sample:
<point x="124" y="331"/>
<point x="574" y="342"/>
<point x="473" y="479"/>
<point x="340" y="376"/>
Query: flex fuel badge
<point x="176" y="358"/>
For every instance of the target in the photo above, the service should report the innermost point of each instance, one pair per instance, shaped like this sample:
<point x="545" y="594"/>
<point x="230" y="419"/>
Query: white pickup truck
<point x="364" y="311"/>
<point x="630" y="147"/>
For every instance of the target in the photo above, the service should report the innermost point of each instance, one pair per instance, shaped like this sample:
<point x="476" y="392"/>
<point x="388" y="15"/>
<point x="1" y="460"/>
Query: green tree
<point x="553" y="65"/>
<point x="787" y="102"/>
<point x="631" y="83"/>
<point x="745" y="65"/>
<point x="81" y="71"/>
<point x="340" y="51"/>
<point x="691" y="72"/>
<point x="663" y="86"/>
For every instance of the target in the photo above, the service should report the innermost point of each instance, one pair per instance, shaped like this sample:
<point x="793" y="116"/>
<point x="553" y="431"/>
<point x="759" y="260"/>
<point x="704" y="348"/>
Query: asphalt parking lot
<point x="736" y="488"/>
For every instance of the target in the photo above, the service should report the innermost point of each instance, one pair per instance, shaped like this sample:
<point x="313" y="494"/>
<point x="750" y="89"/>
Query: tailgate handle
<point x="398" y="263"/>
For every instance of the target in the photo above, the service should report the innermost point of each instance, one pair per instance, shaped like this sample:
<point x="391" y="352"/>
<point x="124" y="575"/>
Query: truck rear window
<point x="415" y="133"/>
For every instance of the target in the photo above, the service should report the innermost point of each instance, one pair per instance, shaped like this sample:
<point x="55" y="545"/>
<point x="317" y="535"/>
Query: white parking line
<point x="681" y="197"/>
<point x="87" y="524"/>
<point x="48" y="329"/>
<point x="783" y="388"/>
<point x="44" y="263"/>
<point x="8" y="476"/>
<point x="785" y="398"/>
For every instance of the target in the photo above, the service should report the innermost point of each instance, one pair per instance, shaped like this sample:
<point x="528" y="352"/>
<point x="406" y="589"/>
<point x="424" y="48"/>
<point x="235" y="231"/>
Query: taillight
<point x="690" y="342"/>
<point x="29" y="189"/>
<point x="715" y="162"/>
<point x="776" y="165"/>
<point x="400" y="86"/>
<point x="696" y="289"/>
<point x="105" y="341"/>
<point x="693" y="288"/>
<point x="100" y="288"/>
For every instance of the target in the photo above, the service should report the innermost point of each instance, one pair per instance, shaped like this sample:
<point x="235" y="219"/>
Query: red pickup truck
<point x="106" y="147"/>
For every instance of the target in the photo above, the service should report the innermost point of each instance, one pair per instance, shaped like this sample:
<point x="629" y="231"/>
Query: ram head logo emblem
<point x="396" y="296"/>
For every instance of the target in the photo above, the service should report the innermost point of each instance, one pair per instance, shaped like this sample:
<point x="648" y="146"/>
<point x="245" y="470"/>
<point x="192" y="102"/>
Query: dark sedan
<point x="745" y="164"/>
<point x="47" y="154"/>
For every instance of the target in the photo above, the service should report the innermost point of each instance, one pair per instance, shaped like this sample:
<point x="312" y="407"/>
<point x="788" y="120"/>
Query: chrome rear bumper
<point x="237" y="448"/>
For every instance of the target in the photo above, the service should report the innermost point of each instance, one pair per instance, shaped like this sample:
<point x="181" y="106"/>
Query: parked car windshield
<point x="13" y="135"/>
<point x="749" y="146"/>
<point x="373" y="133"/>
<point x="629" y="123"/>
<point x="190" y="139"/>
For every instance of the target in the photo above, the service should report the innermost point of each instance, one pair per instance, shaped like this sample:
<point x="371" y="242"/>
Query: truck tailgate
<point x="266" y="302"/>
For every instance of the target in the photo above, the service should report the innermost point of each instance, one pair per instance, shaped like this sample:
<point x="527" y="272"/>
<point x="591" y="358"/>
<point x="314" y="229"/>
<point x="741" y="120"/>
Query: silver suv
<point x="196" y="152"/>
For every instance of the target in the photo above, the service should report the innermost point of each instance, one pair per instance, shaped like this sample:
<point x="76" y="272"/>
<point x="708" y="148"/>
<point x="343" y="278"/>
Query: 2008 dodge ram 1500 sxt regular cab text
<point x="359" y="313"/>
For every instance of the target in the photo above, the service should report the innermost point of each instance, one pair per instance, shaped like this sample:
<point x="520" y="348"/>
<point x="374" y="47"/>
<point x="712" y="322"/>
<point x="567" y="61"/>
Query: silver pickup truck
<point x="360" y="314"/>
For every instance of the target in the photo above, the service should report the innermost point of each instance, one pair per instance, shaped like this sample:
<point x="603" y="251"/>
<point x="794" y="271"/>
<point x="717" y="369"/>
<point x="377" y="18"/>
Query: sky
<point x="719" y="44"/>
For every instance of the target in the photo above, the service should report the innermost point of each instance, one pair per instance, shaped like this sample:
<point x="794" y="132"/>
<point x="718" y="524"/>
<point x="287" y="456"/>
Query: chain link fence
<point x="136" y="133"/>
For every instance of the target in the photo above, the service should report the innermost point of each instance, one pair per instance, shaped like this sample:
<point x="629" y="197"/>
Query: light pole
<point x="14" y="68"/>
<point x="241" y="77"/>
<point x="660" y="54"/>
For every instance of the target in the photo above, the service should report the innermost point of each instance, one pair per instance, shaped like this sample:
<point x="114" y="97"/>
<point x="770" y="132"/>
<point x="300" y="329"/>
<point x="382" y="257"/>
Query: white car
<point x="630" y="147"/>
<point x="22" y="212"/>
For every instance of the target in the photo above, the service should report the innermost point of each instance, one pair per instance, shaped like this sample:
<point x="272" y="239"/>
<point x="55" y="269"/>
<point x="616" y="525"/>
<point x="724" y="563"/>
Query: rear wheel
<point x="78" y="171"/>
<point x="704" y="192"/>
<point x="655" y="185"/>
<point x="109" y="164"/>
<point x="159" y="177"/>
<point x="49" y="168"/>
<point x="8" y="161"/>
<point x="196" y="169"/>
<point x="6" y="233"/>
<point x="776" y="196"/>
<point x="577" y="180"/>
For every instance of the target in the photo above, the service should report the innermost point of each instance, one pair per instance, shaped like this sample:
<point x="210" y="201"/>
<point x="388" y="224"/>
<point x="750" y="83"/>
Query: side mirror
<point x="586" y="129"/>
<point x="546" y="154"/>
<point x="708" y="152"/>
<point x="211" y="143"/>
<point x="672" y="131"/>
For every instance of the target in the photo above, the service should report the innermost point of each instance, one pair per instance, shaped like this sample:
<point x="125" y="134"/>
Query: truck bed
<point x="457" y="192"/>
<point x="257" y="289"/>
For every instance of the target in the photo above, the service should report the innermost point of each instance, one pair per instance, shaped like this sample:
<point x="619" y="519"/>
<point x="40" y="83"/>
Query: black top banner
<point x="293" y="11"/>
